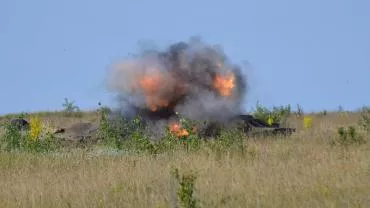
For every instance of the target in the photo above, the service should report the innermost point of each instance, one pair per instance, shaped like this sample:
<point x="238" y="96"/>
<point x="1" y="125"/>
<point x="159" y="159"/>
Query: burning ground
<point x="192" y="78"/>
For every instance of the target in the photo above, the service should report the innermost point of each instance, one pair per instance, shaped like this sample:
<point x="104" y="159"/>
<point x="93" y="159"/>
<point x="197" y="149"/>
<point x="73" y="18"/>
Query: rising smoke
<point x="192" y="78"/>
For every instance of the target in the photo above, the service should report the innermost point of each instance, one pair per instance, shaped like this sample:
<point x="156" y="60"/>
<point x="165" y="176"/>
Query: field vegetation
<point x="325" y="163"/>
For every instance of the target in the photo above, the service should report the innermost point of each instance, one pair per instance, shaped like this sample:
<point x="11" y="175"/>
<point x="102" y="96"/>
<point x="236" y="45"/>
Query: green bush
<point x="46" y="143"/>
<point x="275" y="115"/>
<point x="349" y="136"/>
<point x="124" y="134"/>
<point x="16" y="139"/>
<point x="186" y="189"/>
<point x="13" y="138"/>
<point x="107" y="133"/>
<point x="132" y="135"/>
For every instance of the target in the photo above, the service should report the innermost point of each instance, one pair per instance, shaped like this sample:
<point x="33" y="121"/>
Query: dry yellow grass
<point x="299" y="171"/>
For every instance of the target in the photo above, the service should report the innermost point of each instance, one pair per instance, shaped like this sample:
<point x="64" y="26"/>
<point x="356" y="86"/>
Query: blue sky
<point x="313" y="53"/>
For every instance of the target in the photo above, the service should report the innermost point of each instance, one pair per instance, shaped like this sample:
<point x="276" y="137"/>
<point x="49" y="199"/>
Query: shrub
<point x="13" y="138"/>
<point x="39" y="137"/>
<point x="36" y="128"/>
<point x="33" y="140"/>
<point x="122" y="133"/>
<point x="365" y="118"/>
<point x="276" y="115"/>
<point x="349" y="136"/>
<point x="185" y="191"/>
<point x="107" y="133"/>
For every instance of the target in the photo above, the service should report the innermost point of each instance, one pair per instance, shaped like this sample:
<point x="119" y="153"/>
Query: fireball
<point x="224" y="84"/>
<point x="151" y="85"/>
<point x="177" y="129"/>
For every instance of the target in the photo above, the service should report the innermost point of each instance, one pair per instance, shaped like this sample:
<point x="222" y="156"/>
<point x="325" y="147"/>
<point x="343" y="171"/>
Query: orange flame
<point x="151" y="86"/>
<point x="224" y="84"/>
<point x="176" y="129"/>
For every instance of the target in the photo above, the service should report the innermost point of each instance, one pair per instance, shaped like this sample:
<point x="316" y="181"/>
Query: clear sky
<point x="314" y="53"/>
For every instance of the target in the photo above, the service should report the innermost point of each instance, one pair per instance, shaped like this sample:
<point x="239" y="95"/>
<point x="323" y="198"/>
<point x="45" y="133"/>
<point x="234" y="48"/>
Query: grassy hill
<point x="318" y="166"/>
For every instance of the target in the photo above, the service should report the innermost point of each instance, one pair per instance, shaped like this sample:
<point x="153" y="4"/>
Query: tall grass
<point x="299" y="172"/>
<point x="306" y="169"/>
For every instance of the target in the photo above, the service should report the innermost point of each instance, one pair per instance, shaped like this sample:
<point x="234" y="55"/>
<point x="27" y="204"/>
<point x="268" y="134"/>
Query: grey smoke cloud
<point x="192" y="78"/>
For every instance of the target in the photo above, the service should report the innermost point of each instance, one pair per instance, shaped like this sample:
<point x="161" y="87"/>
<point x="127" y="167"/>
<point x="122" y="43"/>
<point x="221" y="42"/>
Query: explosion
<point x="224" y="85"/>
<point x="151" y="87"/>
<point x="177" y="129"/>
<point x="193" y="79"/>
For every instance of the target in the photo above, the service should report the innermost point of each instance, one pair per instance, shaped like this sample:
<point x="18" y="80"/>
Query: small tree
<point x="69" y="106"/>
<point x="71" y="109"/>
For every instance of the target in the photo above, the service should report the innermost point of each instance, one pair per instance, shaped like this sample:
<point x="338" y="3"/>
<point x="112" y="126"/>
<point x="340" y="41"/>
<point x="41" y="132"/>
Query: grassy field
<point x="311" y="168"/>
